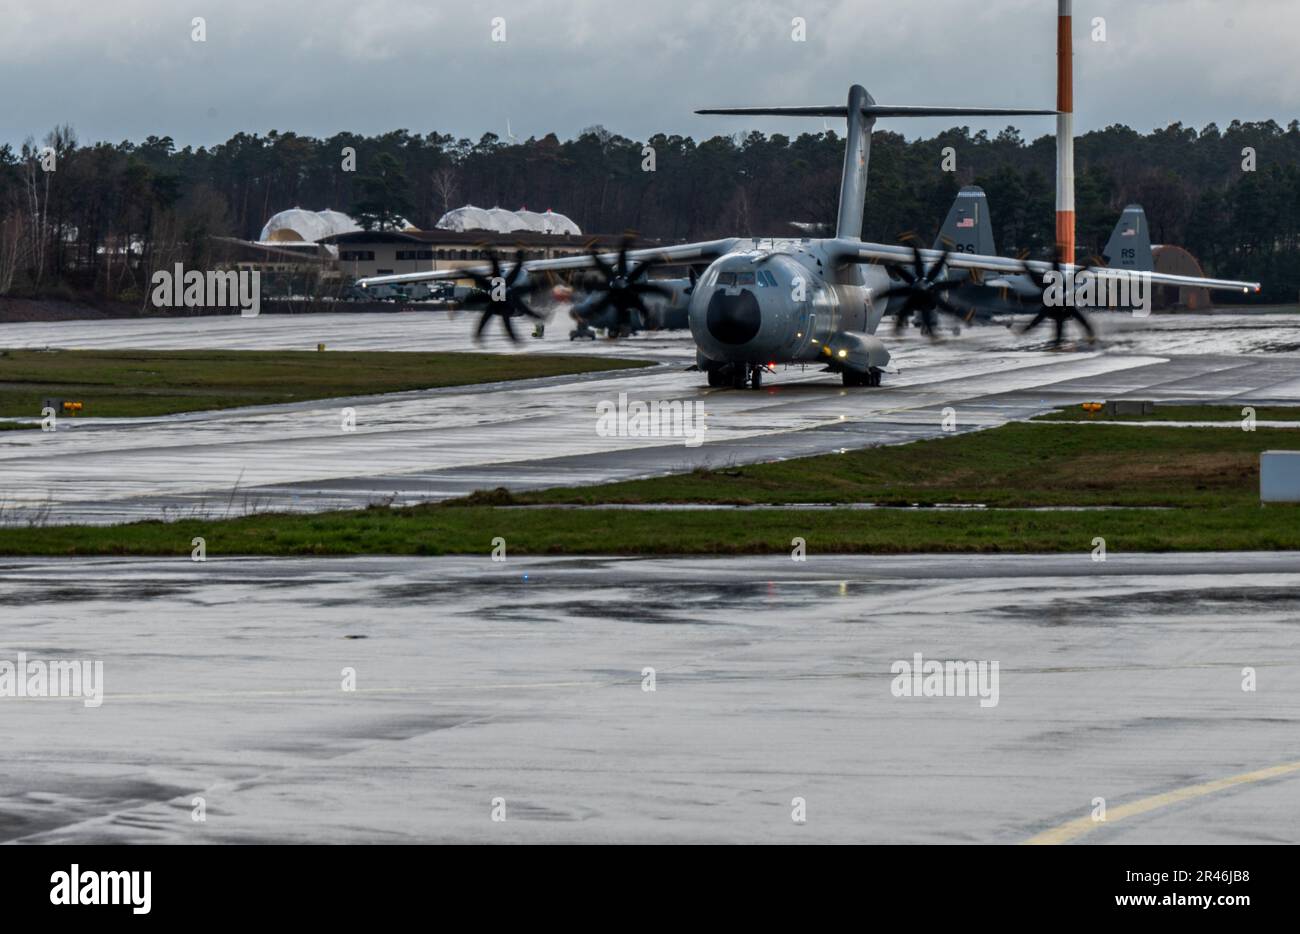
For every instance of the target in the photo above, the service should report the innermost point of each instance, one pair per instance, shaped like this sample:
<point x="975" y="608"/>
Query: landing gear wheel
<point x="738" y="379"/>
<point x="756" y="377"/>
<point x="870" y="378"/>
<point x="718" y="377"/>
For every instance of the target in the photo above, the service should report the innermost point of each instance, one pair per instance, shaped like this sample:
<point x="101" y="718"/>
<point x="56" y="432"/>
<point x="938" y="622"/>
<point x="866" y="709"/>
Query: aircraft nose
<point x="733" y="319"/>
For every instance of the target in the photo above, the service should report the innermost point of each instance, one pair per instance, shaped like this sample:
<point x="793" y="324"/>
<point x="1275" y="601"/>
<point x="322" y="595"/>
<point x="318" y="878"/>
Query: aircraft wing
<point x="856" y="251"/>
<point x="667" y="255"/>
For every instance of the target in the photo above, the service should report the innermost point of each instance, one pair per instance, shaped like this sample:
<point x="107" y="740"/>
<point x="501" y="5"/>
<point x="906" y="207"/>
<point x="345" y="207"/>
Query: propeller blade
<point x="622" y="256"/>
<point x="917" y="263"/>
<point x="901" y="272"/>
<point x="947" y="306"/>
<point x="606" y="270"/>
<point x="1038" y="319"/>
<point x="937" y="268"/>
<point x="1079" y="316"/>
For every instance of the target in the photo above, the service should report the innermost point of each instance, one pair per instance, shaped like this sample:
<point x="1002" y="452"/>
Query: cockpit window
<point x="766" y="278"/>
<point x="726" y="278"/>
<point x="744" y="278"/>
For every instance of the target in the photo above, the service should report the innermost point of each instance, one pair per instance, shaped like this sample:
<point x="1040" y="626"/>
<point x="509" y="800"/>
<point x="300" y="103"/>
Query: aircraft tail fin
<point x="1129" y="246"/>
<point x="968" y="227"/>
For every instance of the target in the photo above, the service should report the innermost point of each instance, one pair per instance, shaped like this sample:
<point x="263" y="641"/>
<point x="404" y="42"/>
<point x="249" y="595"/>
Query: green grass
<point x="133" y="383"/>
<point x="1179" y="413"/>
<point x="433" y="530"/>
<point x="1208" y="477"/>
<point x="1020" y="464"/>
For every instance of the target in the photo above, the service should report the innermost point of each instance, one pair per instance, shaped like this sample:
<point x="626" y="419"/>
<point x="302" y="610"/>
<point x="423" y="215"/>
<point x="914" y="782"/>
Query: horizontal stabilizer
<point x="877" y="110"/>
<point x="888" y="110"/>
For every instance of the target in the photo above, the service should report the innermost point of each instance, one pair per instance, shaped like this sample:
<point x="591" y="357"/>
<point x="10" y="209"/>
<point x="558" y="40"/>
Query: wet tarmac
<point x="432" y="445"/>
<point x="524" y="682"/>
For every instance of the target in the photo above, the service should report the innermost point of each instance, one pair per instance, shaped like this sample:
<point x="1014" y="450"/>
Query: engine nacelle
<point x="853" y="350"/>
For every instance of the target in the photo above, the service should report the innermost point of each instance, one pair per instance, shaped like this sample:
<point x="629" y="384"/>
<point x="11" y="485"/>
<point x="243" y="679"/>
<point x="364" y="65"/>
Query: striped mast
<point x="1065" y="131"/>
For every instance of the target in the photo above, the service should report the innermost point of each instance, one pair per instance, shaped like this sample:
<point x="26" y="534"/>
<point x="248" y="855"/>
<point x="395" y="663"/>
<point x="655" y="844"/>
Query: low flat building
<point x="366" y="253"/>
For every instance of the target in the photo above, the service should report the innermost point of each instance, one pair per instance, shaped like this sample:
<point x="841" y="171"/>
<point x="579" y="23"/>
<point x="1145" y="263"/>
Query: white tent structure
<point x="559" y="224"/>
<point x="300" y="226"/>
<point x="297" y="225"/>
<point x="532" y="220"/>
<point x="499" y="220"/>
<point x="466" y="218"/>
<point x="504" y="221"/>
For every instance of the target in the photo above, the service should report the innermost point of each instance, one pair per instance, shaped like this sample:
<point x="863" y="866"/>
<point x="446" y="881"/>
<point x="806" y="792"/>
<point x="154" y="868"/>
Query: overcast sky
<point x="125" y="69"/>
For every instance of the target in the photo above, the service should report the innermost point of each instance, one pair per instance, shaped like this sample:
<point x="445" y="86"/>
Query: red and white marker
<point x="1065" y="131"/>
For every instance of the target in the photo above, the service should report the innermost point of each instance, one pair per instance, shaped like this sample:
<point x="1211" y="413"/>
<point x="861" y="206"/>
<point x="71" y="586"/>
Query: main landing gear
<point x="870" y="378"/>
<point x="737" y="376"/>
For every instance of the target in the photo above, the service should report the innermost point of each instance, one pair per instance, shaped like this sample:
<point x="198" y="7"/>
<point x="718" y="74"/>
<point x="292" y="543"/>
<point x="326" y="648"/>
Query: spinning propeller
<point x="924" y="289"/>
<point x="1057" y="312"/>
<point x="503" y="294"/>
<point x="624" y="287"/>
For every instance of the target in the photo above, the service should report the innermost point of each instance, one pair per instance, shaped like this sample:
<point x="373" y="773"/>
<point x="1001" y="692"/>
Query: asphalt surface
<point x="425" y="446"/>
<point x="523" y="682"/>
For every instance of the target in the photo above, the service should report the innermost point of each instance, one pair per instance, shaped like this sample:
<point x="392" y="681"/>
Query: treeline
<point x="107" y="215"/>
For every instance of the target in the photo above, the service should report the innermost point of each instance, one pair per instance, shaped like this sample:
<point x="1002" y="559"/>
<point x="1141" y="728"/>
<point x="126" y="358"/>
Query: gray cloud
<point x="127" y="69"/>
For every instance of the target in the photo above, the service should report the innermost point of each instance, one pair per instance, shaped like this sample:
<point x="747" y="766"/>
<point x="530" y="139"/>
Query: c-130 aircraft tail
<point x="861" y="111"/>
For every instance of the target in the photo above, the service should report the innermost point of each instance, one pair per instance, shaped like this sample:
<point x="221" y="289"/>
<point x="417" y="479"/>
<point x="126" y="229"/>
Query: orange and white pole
<point x="1065" y="131"/>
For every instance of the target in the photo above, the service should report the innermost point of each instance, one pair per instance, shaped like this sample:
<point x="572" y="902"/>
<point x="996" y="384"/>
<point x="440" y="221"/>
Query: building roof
<point x="297" y="225"/>
<point x="499" y="220"/>
<point x="472" y="238"/>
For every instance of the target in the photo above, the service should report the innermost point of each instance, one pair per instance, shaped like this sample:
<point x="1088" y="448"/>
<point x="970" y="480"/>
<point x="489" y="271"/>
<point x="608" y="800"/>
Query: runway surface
<point x="523" y="682"/>
<point x="423" y="446"/>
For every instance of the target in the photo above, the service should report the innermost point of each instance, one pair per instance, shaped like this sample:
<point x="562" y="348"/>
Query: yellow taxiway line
<point x="1068" y="831"/>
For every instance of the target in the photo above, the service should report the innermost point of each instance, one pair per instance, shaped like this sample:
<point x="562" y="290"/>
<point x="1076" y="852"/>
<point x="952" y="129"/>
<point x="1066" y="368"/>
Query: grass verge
<point x="1178" y="413"/>
<point x="434" y="530"/>
<point x="1015" y="465"/>
<point x="1206" y="478"/>
<point x="134" y="383"/>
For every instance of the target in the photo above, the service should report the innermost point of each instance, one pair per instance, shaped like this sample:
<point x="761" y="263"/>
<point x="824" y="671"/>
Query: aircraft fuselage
<point x="786" y="301"/>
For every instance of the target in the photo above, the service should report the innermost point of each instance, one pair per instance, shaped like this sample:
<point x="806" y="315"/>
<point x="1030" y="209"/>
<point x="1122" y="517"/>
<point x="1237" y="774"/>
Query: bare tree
<point x="11" y="242"/>
<point x="38" y="168"/>
<point x="36" y="186"/>
<point x="446" y="186"/>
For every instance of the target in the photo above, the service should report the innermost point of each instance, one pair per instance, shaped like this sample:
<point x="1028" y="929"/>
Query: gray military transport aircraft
<point x="760" y="302"/>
